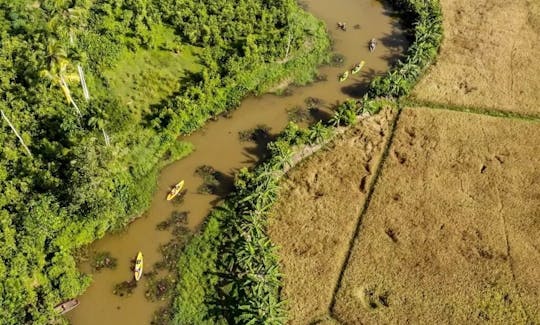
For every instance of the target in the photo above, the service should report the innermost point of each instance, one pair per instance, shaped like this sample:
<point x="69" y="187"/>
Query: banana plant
<point x="318" y="132"/>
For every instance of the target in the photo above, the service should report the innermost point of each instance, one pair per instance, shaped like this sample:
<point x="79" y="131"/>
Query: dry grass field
<point x="450" y="235"/>
<point x="451" y="232"/>
<point x="489" y="57"/>
<point x="315" y="217"/>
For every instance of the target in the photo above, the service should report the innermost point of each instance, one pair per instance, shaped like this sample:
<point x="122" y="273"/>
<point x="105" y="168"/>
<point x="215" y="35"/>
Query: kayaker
<point x="372" y="44"/>
<point x="357" y="67"/>
<point x="344" y="76"/>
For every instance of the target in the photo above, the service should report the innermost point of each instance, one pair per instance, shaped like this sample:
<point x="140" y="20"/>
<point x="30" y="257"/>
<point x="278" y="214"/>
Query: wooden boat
<point x="344" y="76"/>
<point x="358" y="67"/>
<point x="175" y="190"/>
<point x="138" y="267"/>
<point x="66" y="306"/>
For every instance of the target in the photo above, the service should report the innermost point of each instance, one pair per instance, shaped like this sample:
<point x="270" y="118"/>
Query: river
<point x="218" y="145"/>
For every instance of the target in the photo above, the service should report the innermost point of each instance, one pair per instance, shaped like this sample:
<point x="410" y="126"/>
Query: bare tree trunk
<point x="83" y="83"/>
<point x="68" y="95"/>
<point x="86" y="94"/>
<point x="16" y="133"/>
<point x="288" y="46"/>
<point x="106" y="137"/>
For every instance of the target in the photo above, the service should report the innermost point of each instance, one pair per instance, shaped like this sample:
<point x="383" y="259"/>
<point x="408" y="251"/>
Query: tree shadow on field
<point x="152" y="116"/>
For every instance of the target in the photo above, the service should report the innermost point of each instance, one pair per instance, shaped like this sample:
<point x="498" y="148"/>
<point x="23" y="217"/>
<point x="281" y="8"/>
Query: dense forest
<point x="77" y="159"/>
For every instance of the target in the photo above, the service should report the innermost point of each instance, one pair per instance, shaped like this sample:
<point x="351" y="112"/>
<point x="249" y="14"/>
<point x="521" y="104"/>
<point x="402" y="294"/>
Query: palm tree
<point x="77" y="57"/>
<point x="58" y="65"/>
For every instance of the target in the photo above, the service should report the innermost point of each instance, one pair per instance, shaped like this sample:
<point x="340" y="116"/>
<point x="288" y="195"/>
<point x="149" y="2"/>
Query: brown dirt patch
<point x="451" y="233"/>
<point x="315" y="216"/>
<point x="489" y="57"/>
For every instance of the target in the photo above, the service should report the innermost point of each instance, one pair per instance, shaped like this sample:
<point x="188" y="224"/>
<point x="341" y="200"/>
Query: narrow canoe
<point x="175" y="190"/>
<point x="66" y="306"/>
<point x="138" y="267"/>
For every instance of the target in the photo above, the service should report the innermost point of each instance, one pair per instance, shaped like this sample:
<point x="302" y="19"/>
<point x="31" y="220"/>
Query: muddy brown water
<point x="218" y="145"/>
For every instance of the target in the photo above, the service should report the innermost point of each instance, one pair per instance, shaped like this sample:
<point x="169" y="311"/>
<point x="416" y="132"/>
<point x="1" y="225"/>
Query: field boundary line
<point x="471" y="109"/>
<point x="510" y="259"/>
<point x="364" y="210"/>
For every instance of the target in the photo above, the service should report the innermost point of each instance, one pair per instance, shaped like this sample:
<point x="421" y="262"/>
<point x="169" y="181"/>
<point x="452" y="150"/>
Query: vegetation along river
<point x="218" y="145"/>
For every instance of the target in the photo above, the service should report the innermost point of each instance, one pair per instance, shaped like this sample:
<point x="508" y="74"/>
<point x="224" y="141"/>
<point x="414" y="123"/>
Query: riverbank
<point x="205" y="98"/>
<point x="218" y="145"/>
<point x="85" y="163"/>
<point x="231" y="272"/>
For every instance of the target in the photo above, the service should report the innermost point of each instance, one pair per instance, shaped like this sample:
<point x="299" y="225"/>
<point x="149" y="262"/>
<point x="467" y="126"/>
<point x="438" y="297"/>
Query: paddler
<point x="372" y="44"/>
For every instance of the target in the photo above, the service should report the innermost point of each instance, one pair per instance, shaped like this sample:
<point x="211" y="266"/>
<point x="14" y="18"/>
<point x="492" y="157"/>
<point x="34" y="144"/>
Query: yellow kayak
<point x="358" y="67"/>
<point x="344" y="76"/>
<point x="176" y="189"/>
<point x="138" y="266"/>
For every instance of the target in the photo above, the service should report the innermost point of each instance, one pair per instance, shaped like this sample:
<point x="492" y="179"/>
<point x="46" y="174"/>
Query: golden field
<point x="451" y="232"/>
<point x="489" y="57"/>
<point x="315" y="217"/>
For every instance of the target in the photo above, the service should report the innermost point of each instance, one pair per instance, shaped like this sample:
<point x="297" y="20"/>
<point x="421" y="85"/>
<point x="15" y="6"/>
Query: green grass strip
<point x="471" y="109"/>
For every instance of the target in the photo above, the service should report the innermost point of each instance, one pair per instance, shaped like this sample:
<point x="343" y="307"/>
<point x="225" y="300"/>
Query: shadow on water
<point x="255" y="151"/>
<point x="319" y="114"/>
<point x="398" y="19"/>
<point x="225" y="184"/>
<point x="361" y="84"/>
<point x="258" y="140"/>
<point x="395" y="45"/>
